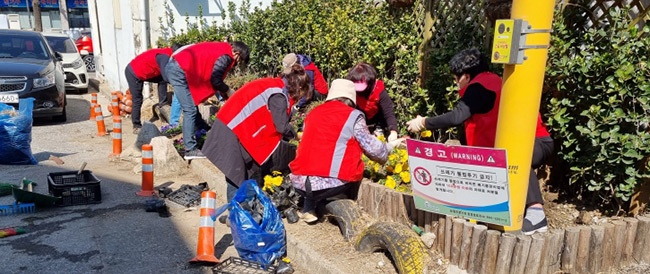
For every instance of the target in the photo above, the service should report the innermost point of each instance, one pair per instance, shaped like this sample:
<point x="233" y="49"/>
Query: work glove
<point x="395" y="144"/>
<point x="416" y="124"/>
<point x="392" y="136"/>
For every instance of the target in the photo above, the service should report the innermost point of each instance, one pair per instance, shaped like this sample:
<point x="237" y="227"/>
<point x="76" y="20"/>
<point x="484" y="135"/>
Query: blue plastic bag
<point x="16" y="134"/>
<point x="264" y="242"/>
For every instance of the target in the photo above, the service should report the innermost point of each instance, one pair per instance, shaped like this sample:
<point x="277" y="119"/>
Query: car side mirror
<point x="84" y="52"/>
<point x="58" y="56"/>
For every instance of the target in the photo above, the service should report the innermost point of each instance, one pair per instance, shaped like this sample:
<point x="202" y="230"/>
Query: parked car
<point x="76" y="75"/>
<point x="29" y="68"/>
<point x="85" y="42"/>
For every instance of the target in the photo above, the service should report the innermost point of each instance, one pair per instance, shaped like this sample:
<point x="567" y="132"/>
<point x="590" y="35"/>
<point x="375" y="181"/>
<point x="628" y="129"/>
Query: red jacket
<point x="328" y="147"/>
<point x="481" y="129"/>
<point x="197" y="61"/>
<point x="145" y="66"/>
<point x="247" y="114"/>
<point x="370" y="105"/>
<point x="320" y="84"/>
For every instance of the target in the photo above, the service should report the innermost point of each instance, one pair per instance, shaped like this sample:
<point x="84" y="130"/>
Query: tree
<point x="38" y="23"/>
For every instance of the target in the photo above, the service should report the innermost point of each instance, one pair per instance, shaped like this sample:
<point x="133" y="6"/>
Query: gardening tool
<point x="81" y="168"/>
<point x="5" y="188"/>
<point x="23" y="195"/>
<point x="17" y="208"/>
<point x="10" y="231"/>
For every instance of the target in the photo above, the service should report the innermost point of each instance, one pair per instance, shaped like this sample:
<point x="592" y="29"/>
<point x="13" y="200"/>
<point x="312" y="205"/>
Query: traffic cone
<point x="99" y="117"/>
<point x="115" y="108"/>
<point x="93" y="102"/>
<point x="92" y="112"/>
<point x="205" y="244"/>
<point x="147" y="171"/>
<point x="117" y="136"/>
<point x="93" y="98"/>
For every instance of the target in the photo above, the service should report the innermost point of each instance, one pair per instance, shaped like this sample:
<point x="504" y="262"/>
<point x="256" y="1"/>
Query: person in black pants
<point x="478" y="110"/>
<point x="149" y="66"/>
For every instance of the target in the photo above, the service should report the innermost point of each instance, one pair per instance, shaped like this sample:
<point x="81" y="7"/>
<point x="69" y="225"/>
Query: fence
<point x="478" y="249"/>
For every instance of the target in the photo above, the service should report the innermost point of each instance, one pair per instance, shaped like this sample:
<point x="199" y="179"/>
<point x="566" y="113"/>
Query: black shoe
<point x="194" y="154"/>
<point x="529" y="229"/>
<point x="224" y="220"/>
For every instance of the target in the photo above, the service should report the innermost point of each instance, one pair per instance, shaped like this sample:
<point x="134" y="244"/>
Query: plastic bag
<point x="16" y="134"/>
<point x="262" y="242"/>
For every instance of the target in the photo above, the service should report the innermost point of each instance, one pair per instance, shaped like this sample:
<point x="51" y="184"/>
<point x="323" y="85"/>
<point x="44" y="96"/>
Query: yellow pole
<point x="520" y="99"/>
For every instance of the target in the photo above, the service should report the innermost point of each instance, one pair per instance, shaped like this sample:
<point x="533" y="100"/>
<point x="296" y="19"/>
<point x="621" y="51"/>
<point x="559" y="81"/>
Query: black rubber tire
<point x="404" y="245"/>
<point x="347" y="215"/>
<point x="63" y="116"/>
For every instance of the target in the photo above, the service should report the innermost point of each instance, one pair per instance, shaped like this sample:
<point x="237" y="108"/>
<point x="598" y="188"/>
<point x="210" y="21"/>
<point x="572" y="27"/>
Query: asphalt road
<point x="115" y="236"/>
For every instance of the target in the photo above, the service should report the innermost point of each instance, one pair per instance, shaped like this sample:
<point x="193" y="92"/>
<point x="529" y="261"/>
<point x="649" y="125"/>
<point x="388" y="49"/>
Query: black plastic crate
<point x="234" y="265"/>
<point x="73" y="188"/>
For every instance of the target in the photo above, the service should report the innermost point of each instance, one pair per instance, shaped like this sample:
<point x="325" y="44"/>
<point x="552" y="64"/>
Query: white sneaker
<point x="309" y="217"/>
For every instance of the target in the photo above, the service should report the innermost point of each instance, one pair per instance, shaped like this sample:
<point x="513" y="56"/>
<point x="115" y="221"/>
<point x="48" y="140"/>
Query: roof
<point x="54" y="34"/>
<point x="18" y="32"/>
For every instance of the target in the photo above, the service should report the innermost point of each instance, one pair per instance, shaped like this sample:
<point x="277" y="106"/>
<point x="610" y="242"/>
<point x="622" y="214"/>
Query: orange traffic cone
<point x="93" y="102"/>
<point x="114" y="104"/>
<point x="205" y="244"/>
<point x="99" y="117"/>
<point x="147" y="171"/>
<point x="117" y="136"/>
<point x="92" y="112"/>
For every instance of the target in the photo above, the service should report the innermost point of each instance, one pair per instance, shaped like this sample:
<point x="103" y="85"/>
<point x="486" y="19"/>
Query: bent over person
<point x="478" y="109"/>
<point x="196" y="72"/>
<point x="328" y="161"/>
<point x="149" y="66"/>
<point x="249" y="138"/>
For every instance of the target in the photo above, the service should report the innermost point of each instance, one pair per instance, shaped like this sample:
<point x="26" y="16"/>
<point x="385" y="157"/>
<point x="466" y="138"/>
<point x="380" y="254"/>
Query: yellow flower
<point x="276" y="173"/>
<point x="426" y="133"/>
<point x="376" y="167"/>
<point x="268" y="183"/>
<point x="403" y="155"/>
<point x="392" y="157"/>
<point x="390" y="182"/>
<point x="277" y="181"/>
<point x="405" y="176"/>
<point x="398" y="168"/>
<point x="381" y="138"/>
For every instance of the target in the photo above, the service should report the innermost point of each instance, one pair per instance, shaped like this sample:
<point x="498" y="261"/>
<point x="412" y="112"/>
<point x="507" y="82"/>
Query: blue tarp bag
<point x="16" y="134"/>
<point x="262" y="242"/>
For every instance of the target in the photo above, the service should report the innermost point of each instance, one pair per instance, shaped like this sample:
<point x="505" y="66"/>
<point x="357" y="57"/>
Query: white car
<point x="76" y="75"/>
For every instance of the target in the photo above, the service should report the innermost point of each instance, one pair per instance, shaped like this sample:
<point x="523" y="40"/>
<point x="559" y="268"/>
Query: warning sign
<point x="468" y="182"/>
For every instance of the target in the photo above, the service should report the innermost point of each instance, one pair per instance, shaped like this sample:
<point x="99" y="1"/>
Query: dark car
<point x="29" y="68"/>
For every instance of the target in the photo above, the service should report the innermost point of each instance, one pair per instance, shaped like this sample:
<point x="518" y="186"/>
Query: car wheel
<point x="63" y="117"/>
<point x="90" y="63"/>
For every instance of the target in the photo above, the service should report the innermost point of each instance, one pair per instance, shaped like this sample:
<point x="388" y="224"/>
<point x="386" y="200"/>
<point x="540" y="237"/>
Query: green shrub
<point x="598" y="94"/>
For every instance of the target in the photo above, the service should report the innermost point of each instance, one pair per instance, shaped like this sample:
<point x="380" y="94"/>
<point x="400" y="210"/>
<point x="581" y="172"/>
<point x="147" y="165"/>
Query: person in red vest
<point x="373" y="100"/>
<point x="478" y="109"/>
<point x="316" y="79"/>
<point x="147" y="67"/>
<point x="328" y="161"/>
<point x="249" y="138"/>
<point x="197" y="72"/>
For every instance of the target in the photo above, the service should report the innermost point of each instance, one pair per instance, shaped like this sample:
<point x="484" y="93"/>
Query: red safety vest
<point x="145" y="66"/>
<point x="197" y="61"/>
<point x="320" y="84"/>
<point x="480" y="129"/>
<point x="370" y="105"/>
<point x="328" y="147"/>
<point x="247" y="114"/>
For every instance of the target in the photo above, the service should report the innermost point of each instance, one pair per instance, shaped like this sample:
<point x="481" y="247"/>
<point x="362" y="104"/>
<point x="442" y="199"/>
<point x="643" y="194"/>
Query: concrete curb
<point x="299" y="252"/>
